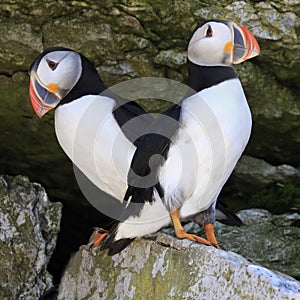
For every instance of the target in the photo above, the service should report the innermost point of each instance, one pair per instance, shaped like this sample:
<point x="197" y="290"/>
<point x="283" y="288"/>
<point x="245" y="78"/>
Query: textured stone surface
<point x="252" y="173"/>
<point x="271" y="240"/>
<point x="29" y="224"/>
<point x="258" y="184"/>
<point x="267" y="239"/>
<point x="172" y="269"/>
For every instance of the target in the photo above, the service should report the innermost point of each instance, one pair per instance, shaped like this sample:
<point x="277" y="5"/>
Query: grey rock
<point x="286" y="219"/>
<point x="266" y="239"/>
<point x="170" y="58"/>
<point x="253" y="174"/>
<point x="29" y="224"/>
<point x="258" y="184"/>
<point x="20" y="45"/>
<point x="168" y="268"/>
<point x="254" y="216"/>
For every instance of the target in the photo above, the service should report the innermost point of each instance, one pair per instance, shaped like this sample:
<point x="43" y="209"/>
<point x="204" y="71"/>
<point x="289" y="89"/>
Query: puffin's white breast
<point x="91" y="137"/>
<point x="215" y="128"/>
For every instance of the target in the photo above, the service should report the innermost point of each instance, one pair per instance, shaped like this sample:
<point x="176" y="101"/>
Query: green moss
<point x="277" y="199"/>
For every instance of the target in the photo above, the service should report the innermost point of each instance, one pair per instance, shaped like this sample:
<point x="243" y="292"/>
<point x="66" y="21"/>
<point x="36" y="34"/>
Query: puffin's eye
<point x="209" y="32"/>
<point x="52" y="64"/>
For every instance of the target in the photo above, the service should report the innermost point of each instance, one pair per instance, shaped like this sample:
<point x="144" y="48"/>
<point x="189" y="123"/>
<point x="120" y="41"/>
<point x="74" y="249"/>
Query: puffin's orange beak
<point x="42" y="99"/>
<point x="245" y="44"/>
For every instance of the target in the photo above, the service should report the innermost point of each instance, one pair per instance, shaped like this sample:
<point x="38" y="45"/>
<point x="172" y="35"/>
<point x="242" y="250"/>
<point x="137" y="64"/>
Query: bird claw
<point x="214" y="245"/>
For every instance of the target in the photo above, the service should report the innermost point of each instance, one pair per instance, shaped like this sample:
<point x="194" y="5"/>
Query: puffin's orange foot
<point x="210" y="235"/>
<point x="181" y="234"/>
<point x="100" y="234"/>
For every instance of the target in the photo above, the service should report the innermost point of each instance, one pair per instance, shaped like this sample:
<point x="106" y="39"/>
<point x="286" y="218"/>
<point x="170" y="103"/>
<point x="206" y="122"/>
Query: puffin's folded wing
<point x="150" y="155"/>
<point x="131" y="117"/>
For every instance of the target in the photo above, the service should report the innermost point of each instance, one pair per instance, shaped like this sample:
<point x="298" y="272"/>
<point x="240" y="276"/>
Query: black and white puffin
<point x="66" y="80"/>
<point x="89" y="119"/>
<point x="211" y="131"/>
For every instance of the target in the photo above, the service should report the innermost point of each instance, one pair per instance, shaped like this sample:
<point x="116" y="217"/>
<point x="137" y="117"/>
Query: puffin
<point x="88" y="119"/>
<point x="186" y="166"/>
<point x="65" y="80"/>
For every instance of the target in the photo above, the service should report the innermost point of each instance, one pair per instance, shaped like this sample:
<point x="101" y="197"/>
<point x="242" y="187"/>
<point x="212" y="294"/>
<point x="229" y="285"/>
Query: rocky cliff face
<point x="29" y="224"/>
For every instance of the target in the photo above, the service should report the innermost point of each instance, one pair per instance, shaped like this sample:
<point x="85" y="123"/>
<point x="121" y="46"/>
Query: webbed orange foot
<point x="181" y="234"/>
<point x="100" y="234"/>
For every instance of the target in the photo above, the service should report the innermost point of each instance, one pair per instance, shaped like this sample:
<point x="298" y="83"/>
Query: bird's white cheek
<point x="195" y="51"/>
<point x="204" y="54"/>
<point x="45" y="77"/>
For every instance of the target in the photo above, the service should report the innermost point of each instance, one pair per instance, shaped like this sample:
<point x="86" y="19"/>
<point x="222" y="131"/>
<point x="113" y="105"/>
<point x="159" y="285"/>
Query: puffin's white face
<point x="60" y="67"/>
<point x="52" y="78"/>
<point x="207" y="45"/>
<point x="221" y="43"/>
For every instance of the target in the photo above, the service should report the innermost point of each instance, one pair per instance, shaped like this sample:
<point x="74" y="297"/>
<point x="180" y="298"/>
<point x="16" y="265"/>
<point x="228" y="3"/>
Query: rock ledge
<point x="168" y="268"/>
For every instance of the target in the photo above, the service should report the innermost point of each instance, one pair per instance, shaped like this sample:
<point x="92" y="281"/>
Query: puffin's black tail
<point x="226" y="217"/>
<point x="111" y="244"/>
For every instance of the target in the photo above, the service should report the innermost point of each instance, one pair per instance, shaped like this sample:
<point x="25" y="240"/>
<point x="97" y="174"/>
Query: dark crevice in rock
<point x="10" y="74"/>
<point x="76" y="228"/>
<point x="6" y="74"/>
<point x="27" y="117"/>
<point x="296" y="223"/>
<point x="166" y="245"/>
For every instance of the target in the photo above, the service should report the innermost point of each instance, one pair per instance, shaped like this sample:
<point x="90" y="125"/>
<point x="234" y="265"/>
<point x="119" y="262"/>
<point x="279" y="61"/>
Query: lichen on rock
<point x="29" y="224"/>
<point x="168" y="268"/>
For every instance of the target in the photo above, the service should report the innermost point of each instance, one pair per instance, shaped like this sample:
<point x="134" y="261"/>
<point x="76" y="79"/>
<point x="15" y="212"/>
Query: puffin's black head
<point x="60" y="75"/>
<point x="221" y="43"/>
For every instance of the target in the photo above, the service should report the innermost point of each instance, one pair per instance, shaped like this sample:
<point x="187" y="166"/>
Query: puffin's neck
<point x="202" y="77"/>
<point x="89" y="83"/>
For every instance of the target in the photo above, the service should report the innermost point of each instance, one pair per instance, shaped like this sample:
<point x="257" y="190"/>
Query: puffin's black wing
<point x="130" y="116"/>
<point x="150" y="154"/>
<point x="132" y="119"/>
